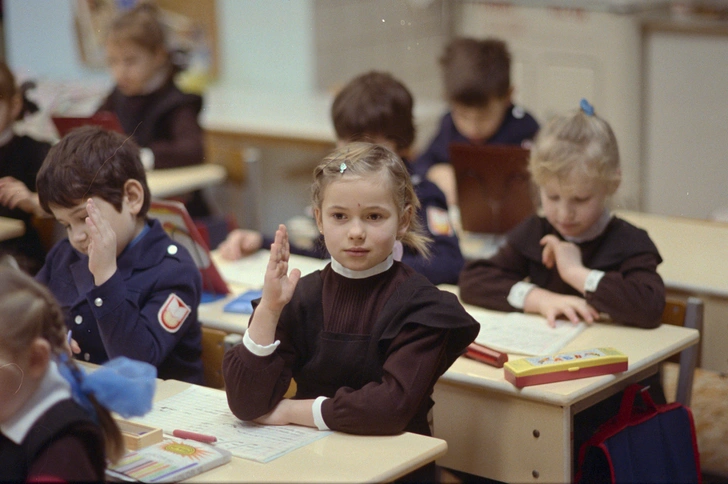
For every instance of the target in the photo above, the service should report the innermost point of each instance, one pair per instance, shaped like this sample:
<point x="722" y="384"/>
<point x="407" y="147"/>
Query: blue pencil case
<point x="243" y="304"/>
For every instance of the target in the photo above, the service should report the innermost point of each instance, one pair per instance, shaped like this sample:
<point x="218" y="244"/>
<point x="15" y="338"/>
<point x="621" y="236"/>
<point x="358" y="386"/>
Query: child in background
<point x="52" y="426"/>
<point x="151" y="108"/>
<point x="20" y="160"/>
<point x="367" y="337"/>
<point x="125" y="287"/>
<point x="477" y="75"/>
<point x="376" y="107"/>
<point x="579" y="260"/>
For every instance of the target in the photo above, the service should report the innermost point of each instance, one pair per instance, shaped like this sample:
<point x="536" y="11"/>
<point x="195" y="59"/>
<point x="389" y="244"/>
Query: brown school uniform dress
<point x="374" y="346"/>
<point x="631" y="291"/>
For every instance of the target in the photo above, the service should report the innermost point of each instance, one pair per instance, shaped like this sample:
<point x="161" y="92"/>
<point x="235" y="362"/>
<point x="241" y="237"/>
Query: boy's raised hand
<point x="102" y="245"/>
<point x="278" y="285"/>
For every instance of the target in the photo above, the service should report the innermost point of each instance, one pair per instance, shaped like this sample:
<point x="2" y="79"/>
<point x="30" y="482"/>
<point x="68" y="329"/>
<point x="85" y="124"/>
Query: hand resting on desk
<point x="240" y="243"/>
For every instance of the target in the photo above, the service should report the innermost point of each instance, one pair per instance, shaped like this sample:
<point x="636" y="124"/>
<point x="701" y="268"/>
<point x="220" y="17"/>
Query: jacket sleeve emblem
<point x="173" y="313"/>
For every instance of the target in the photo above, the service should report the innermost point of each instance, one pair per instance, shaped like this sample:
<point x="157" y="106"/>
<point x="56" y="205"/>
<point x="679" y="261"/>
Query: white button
<point x="518" y="112"/>
<point x="98" y="302"/>
<point x="172" y="249"/>
<point x="78" y="319"/>
<point x="86" y="356"/>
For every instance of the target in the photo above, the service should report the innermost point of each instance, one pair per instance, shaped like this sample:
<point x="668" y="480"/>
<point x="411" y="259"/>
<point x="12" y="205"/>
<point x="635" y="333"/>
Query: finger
<point x="571" y="315"/>
<point x="294" y="276"/>
<point x="74" y="347"/>
<point x="586" y="315"/>
<point x="547" y="256"/>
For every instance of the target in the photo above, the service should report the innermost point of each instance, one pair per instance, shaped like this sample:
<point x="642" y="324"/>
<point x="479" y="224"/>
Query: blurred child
<point x="53" y="428"/>
<point x="376" y="107"/>
<point x="149" y="105"/>
<point x="20" y="160"/>
<point x="125" y="287"/>
<point x="367" y="337"/>
<point x="578" y="260"/>
<point x="477" y="75"/>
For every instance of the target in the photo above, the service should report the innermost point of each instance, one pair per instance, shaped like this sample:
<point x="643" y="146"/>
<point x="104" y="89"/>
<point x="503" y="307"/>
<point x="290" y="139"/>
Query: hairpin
<point x="586" y="107"/>
<point x="342" y="168"/>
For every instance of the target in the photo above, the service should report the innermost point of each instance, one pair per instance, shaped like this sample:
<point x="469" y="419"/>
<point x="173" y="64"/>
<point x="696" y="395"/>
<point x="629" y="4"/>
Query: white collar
<point x="594" y="231"/>
<point x="156" y="81"/>
<point x="6" y="135"/>
<point x="372" y="271"/>
<point x="52" y="389"/>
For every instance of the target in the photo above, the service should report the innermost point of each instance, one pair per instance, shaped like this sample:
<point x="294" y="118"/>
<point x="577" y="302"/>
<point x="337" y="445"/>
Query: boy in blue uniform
<point x="376" y="107"/>
<point x="125" y="287"/>
<point x="478" y="88"/>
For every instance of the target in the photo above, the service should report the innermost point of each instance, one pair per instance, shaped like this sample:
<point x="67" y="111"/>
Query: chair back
<point x="688" y="314"/>
<point x="494" y="186"/>
<point x="213" y="350"/>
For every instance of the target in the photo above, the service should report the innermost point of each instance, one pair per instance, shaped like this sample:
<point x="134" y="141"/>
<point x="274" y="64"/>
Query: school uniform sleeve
<point x="633" y="294"/>
<point x="65" y="459"/>
<point x="488" y="282"/>
<point x="437" y="151"/>
<point x="184" y="145"/>
<point x="146" y="326"/>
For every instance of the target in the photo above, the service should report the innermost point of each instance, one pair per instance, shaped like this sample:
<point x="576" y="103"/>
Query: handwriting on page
<point x="205" y="410"/>
<point x="524" y="334"/>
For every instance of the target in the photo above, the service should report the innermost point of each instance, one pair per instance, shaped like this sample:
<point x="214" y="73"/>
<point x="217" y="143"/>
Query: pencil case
<point x="486" y="355"/>
<point x="536" y="370"/>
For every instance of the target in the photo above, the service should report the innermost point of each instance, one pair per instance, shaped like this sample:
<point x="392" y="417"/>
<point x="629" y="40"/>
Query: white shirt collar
<point x="372" y="271"/>
<point x="6" y="135"/>
<point x="156" y="81"/>
<point x="52" y="389"/>
<point x="594" y="231"/>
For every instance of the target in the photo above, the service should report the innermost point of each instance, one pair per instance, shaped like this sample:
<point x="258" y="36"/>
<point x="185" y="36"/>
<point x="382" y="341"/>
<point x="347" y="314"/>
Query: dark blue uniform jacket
<point x="146" y="311"/>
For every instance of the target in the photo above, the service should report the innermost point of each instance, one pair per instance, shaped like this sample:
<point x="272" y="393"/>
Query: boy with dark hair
<point x="478" y="88"/>
<point x="377" y="108"/>
<point x="125" y="287"/>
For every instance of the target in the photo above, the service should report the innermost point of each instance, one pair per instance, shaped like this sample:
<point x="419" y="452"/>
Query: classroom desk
<point x="495" y="430"/>
<point x="170" y="182"/>
<point x="336" y="458"/>
<point x="11" y="228"/>
<point x="695" y="263"/>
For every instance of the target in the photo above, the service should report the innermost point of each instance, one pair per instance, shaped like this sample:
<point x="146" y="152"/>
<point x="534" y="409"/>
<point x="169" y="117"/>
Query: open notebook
<point x="494" y="186"/>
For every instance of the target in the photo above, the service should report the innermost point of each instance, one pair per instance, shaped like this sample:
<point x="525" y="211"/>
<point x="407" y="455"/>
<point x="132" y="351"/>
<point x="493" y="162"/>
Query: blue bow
<point x="586" y="107"/>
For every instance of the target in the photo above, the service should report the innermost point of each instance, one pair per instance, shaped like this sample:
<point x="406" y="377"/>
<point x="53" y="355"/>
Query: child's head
<point x="363" y="202"/>
<point x="477" y="76"/>
<point x="136" y="49"/>
<point x="375" y="107"/>
<point x="33" y="330"/>
<point x="575" y="163"/>
<point x="91" y="162"/>
<point x="11" y="99"/>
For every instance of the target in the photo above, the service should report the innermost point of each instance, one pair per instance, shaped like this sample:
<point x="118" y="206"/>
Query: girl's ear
<point x="39" y="355"/>
<point x="134" y="196"/>
<point x="404" y="221"/>
<point x="319" y="220"/>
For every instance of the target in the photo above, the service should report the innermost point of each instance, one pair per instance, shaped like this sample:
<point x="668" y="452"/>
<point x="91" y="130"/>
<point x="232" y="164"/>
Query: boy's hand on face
<point x="102" y="245"/>
<point x="566" y="256"/>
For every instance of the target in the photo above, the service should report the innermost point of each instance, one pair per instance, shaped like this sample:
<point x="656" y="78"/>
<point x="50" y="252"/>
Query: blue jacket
<point x="146" y="311"/>
<point x="517" y="126"/>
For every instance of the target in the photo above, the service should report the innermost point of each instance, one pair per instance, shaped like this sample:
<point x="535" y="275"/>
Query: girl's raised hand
<point x="102" y="245"/>
<point x="278" y="285"/>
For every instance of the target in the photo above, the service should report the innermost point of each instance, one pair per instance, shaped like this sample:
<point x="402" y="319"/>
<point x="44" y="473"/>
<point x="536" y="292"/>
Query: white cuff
<point x="147" y="157"/>
<point x="259" y="350"/>
<point x="592" y="280"/>
<point x="318" y="418"/>
<point x="519" y="291"/>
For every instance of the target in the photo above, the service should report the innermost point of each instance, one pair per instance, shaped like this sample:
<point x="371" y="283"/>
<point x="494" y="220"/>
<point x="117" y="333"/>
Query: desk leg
<point x="502" y="437"/>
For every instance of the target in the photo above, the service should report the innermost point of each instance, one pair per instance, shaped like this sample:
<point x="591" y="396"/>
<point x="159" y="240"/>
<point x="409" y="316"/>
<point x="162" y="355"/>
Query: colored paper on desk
<point x="172" y="460"/>
<point x="243" y="304"/>
<point x="523" y="334"/>
<point x="205" y="411"/>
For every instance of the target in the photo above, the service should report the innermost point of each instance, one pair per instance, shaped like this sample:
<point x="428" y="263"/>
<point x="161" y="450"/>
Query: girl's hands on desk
<point x="240" y="243"/>
<point x="289" y="411"/>
<point x="551" y="305"/>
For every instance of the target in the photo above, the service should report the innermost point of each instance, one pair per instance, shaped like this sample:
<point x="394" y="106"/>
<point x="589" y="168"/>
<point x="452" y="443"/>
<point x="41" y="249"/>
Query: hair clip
<point x="342" y="168"/>
<point x="586" y="107"/>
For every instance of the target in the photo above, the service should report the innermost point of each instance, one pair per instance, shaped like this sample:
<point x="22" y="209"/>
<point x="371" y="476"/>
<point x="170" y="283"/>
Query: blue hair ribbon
<point x="586" y="107"/>
<point x="122" y="385"/>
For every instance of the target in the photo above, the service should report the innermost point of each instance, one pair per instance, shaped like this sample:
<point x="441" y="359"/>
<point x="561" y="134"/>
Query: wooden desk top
<point x="644" y="347"/>
<point x="11" y="228"/>
<point x="694" y="251"/>
<point x="336" y="458"/>
<point x="177" y="181"/>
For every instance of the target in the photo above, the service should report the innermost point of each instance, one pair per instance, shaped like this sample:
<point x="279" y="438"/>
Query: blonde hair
<point x="576" y="141"/>
<point x="364" y="159"/>
<point x="29" y="311"/>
